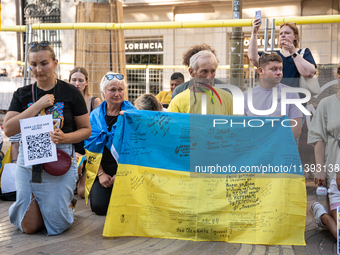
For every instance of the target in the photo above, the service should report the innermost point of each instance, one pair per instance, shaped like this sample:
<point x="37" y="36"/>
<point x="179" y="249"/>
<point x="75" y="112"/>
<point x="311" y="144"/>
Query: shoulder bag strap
<point x="302" y="52"/>
<point x="92" y="103"/>
<point x="33" y="97"/>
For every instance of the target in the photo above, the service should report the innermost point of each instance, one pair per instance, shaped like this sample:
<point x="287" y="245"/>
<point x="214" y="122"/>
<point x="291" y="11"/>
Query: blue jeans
<point x="53" y="195"/>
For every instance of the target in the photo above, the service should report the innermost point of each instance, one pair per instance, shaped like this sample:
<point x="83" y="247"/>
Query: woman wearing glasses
<point x="294" y="64"/>
<point x="79" y="77"/>
<point x="324" y="134"/>
<point x="102" y="158"/>
<point x="45" y="203"/>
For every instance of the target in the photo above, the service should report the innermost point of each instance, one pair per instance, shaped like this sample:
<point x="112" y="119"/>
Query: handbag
<point x="312" y="84"/>
<point x="64" y="161"/>
<point x="61" y="166"/>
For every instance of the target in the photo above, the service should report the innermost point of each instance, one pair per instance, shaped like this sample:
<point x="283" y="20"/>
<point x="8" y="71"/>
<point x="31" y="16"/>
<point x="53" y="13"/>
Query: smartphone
<point x="37" y="171"/>
<point x="258" y="15"/>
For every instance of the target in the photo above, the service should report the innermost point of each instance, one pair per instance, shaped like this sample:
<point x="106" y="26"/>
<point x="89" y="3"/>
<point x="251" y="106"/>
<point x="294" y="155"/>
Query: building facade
<point x="165" y="47"/>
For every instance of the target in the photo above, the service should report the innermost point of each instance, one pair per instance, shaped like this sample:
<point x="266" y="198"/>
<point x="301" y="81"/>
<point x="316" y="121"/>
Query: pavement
<point x="85" y="237"/>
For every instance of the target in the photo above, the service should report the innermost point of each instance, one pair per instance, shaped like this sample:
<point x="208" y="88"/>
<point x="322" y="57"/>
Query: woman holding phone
<point x="294" y="64"/>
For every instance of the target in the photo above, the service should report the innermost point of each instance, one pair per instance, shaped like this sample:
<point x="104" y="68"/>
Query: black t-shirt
<point x="79" y="147"/>
<point x="69" y="102"/>
<point x="108" y="162"/>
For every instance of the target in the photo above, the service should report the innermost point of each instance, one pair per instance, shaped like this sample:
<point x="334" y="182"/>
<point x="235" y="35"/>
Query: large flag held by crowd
<point x="207" y="178"/>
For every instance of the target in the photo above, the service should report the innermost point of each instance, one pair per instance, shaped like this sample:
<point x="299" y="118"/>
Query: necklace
<point x="36" y="89"/>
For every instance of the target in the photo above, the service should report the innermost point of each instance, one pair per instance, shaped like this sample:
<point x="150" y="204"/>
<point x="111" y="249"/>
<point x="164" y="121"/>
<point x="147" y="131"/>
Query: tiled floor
<point x="85" y="237"/>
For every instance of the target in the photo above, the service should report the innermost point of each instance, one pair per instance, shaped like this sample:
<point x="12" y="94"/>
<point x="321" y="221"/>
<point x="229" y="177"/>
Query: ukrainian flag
<point x="207" y="178"/>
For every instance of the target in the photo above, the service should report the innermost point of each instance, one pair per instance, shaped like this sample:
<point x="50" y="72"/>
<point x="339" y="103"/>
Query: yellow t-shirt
<point x="185" y="103"/>
<point x="164" y="97"/>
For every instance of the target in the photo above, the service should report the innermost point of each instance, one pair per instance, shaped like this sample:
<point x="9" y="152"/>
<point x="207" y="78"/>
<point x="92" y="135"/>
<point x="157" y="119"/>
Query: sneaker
<point x="318" y="211"/>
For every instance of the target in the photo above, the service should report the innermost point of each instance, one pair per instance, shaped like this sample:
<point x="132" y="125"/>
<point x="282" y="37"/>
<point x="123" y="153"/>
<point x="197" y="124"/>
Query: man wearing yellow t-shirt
<point x="165" y="96"/>
<point x="202" y="69"/>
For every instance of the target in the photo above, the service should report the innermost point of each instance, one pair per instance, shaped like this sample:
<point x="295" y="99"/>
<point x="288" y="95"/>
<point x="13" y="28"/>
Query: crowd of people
<point x="84" y="122"/>
<point x="4" y="73"/>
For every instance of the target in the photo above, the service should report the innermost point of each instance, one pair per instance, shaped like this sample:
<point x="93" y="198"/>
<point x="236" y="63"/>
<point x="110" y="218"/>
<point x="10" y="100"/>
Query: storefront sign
<point x="144" y="46"/>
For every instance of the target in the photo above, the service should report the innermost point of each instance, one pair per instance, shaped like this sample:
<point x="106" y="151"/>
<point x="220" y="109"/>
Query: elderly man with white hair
<point x="202" y="69"/>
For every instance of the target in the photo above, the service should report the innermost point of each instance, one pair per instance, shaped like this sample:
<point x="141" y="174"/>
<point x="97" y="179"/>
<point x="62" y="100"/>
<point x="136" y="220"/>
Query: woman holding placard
<point x="46" y="204"/>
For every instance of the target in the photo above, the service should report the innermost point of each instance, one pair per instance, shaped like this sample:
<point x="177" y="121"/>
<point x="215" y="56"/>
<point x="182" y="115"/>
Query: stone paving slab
<point x="85" y="237"/>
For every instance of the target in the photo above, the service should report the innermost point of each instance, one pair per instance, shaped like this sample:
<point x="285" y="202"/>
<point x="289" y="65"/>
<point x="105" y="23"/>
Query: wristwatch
<point x="294" y="55"/>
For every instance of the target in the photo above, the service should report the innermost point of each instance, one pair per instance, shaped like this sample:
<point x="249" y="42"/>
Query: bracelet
<point x="14" y="160"/>
<point x="100" y="174"/>
<point x="255" y="35"/>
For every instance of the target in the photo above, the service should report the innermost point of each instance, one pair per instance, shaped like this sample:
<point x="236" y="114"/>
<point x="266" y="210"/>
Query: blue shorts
<point x="53" y="195"/>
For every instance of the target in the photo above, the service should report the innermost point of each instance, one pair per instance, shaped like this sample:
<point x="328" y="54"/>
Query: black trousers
<point x="99" y="198"/>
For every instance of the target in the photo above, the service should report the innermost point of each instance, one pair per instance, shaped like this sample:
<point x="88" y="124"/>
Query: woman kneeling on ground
<point x="102" y="158"/>
<point x="46" y="205"/>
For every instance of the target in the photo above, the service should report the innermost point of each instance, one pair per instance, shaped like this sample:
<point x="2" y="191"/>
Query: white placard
<point x="37" y="144"/>
<point x="8" y="178"/>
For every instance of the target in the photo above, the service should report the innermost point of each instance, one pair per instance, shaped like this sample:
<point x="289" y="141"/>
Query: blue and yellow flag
<point x="81" y="160"/>
<point x="207" y="178"/>
<point x="100" y="137"/>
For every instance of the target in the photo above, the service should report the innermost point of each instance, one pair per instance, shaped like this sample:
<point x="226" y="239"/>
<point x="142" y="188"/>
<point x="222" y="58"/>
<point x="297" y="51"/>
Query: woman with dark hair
<point x="79" y="77"/>
<point x="46" y="204"/>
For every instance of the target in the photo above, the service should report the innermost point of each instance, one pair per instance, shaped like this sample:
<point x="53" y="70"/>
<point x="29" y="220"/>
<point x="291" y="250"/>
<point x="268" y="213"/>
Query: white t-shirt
<point x="263" y="100"/>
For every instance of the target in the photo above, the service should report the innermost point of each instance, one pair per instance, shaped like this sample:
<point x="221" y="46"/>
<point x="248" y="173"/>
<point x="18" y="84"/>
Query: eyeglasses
<point x="110" y="77"/>
<point x="42" y="43"/>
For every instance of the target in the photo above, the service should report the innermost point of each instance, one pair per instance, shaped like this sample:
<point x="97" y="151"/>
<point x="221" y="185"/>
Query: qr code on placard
<point x="39" y="146"/>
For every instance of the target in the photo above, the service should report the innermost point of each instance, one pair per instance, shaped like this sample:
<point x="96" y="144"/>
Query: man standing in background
<point x="165" y="96"/>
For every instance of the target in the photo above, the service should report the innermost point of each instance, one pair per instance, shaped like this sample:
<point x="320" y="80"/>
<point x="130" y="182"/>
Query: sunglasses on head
<point x="110" y="77"/>
<point x="42" y="43"/>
